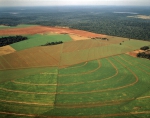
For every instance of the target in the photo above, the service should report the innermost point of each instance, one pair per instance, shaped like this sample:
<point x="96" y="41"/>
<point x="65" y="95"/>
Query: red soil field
<point x="44" y="29"/>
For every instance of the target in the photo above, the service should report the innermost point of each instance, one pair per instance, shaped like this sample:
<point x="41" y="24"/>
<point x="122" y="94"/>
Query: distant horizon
<point x="79" y="5"/>
<point x="21" y="3"/>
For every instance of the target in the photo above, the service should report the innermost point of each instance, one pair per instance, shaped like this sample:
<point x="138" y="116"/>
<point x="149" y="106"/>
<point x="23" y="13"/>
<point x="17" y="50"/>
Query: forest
<point x="98" y="19"/>
<point x="145" y="54"/>
<point x="11" y="39"/>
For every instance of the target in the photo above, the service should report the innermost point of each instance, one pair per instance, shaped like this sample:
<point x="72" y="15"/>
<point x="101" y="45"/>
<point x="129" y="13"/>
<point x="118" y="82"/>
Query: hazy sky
<point x="73" y="2"/>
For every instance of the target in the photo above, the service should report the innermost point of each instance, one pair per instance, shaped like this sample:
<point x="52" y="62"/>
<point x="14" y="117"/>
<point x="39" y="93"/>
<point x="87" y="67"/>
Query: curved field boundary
<point x="78" y="66"/>
<point x="25" y="92"/>
<point x="110" y="89"/>
<point x="95" y="80"/>
<point x="26" y="103"/>
<point x="143" y="97"/>
<point x="85" y="105"/>
<point x="133" y="65"/>
<point x="94" y="116"/>
<point x="33" y="84"/>
<point x="74" y="83"/>
<point x="91" y="71"/>
<point x="96" y="104"/>
<point x="22" y="73"/>
<point x="88" y="92"/>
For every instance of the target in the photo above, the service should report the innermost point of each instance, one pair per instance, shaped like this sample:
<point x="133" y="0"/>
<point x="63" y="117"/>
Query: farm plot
<point x="81" y="103"/>
<point x="31" y="93"/>
<point x="5" y="74"/>
<point x="92" y="53"/>
<point x="6" y="50"/>
<point x="136" y="44"/>
<point x="109" y="87"/>
<point x="83" y="44"/>
<point x="38" y="40"/>
<point x="83" y="51"/>
<point x="70" y="103"/>
<point x="86" y="67"/>
<point x="66" y="54"/>
<point x="34" y="57"/>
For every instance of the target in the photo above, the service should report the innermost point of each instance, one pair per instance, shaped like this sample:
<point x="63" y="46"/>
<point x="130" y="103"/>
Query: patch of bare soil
<point x="134" y="53"/>
<point x="76" y="37"/>
<point x="46" y="29"/>
<point x="6" y="50"/>
<point x="141" y="17"/>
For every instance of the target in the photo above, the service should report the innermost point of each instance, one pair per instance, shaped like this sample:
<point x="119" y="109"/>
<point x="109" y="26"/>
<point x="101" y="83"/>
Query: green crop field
<point x="109" y="87"/>
<point x="38" y="40"/>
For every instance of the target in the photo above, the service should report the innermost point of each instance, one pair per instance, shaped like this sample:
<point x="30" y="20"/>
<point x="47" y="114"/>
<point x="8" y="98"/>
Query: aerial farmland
<point x="64" y="71"/>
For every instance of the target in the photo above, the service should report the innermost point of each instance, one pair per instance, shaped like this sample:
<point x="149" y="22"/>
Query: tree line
<point x="145" y="54"/>
<point x="11" y="39"/>
<point x="52" y="43"/>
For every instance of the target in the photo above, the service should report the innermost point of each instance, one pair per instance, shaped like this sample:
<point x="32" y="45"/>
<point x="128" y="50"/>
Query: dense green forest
<point x="11" y="39"/>
<point x="110" y="20"/>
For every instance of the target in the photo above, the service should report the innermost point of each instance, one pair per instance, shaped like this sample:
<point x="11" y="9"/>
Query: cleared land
<point x="141" y="17"/>
<point x="42" y="29"/>
<point x="76" y="37"/>
<point x="6" y="50"/>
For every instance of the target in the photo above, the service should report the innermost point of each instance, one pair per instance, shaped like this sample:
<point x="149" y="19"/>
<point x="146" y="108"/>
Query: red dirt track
<point x="44" y="29"/>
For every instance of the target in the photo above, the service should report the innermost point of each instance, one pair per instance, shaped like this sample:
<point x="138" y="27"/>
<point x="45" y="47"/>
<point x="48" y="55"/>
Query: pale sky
<point x="73" y="2"/>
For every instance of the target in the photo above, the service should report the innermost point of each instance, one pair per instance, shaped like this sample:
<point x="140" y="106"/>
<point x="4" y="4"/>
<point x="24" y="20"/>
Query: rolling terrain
<point x="88" y="77"/>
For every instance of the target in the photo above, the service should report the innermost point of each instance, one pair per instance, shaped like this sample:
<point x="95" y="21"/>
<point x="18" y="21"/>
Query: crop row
<point x="116" y="87"/>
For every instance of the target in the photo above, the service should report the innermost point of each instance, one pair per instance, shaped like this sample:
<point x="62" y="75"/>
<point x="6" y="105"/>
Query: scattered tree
<point x="52" y="43"/>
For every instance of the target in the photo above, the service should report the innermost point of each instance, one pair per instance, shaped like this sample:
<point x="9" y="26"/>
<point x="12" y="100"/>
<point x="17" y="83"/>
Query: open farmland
<point x="66" y="54"/>
<point x="6" y="50"/>
<point x="82" y="78"/>
<point x="37" y="40"/>
<point x="87" y="89"/>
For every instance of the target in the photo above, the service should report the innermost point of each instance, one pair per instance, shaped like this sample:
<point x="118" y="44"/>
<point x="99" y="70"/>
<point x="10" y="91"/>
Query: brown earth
<point x="134" y="53"/>
<point x="6" y="50"/>
<point x="76" y="37"/>
<point x="34" y="57"/>
<point x="46" y="29"/>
